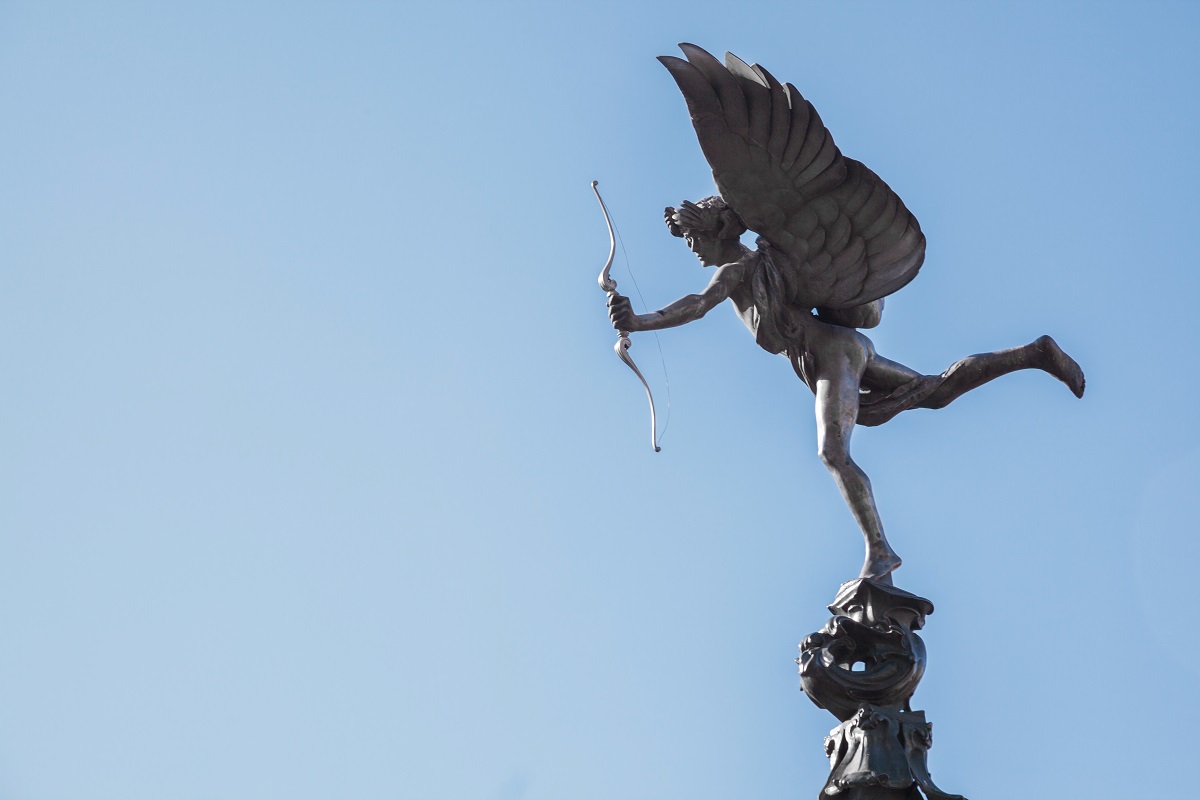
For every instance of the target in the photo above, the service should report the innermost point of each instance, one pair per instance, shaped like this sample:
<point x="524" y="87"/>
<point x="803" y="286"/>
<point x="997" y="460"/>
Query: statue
<point x="834" y="240"/>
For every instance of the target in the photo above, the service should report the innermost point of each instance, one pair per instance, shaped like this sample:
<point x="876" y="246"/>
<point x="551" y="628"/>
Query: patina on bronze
<point x="833" y="241"/>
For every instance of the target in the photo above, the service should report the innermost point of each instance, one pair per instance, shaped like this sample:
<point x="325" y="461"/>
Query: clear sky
<point x="319" y="478"/>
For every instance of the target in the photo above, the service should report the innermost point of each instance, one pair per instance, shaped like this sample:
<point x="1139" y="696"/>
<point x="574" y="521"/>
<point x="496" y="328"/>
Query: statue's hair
<point x="710" y="215"/>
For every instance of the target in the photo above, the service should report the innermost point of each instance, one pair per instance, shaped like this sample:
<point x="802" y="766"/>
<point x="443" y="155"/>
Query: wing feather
<point x="816" y="242"/>
<point x="803" y="172"/>
<point x="844" y="237"/>
<point x="826" y="208"/>
<point x="820" y="263"/>
<point x="887" y="213"/>
<point x="814" y="138"/>
<point x="851" y="256"/>
<point x="888" y="258"/>
<point x="781" y="114"/>
<point x="829" y="178"/>
<point x="896" y="275"/>
<point x="720" y="145"/>
<point x="799" y="128"/>
<point x="733" y="102"/>
<point x="758" y="98"/>
<point x="892" y="233"/>
<point x="871" y="209"/>
<point x="839" y="235"/>
<point x="857" y="190"/>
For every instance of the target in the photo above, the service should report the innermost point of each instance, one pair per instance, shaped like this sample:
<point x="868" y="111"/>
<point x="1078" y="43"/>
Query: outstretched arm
<point x="684" y="310"/>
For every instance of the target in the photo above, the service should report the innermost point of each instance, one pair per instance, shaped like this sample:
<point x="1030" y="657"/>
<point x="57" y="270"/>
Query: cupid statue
<point x="834" y="240"/>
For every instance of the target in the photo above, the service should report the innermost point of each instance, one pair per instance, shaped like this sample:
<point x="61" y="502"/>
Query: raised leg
<point x="974" y="371"/>
<point x="838" y="375"/>
<point x="883" y="374"/>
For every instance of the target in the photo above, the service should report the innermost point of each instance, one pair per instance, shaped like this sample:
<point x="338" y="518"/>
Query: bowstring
<point x="662" y="358"/>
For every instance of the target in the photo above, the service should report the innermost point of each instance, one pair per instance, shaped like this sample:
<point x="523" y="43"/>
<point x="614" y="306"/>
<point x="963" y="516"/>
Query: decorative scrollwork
<point x="863" y="667"/>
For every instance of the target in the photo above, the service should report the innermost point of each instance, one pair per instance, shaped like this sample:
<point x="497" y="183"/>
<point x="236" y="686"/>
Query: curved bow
<point x="609" y="286"/>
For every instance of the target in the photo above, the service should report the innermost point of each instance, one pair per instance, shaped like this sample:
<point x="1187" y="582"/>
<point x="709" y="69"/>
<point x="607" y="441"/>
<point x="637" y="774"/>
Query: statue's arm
<point x="686" y="309"/>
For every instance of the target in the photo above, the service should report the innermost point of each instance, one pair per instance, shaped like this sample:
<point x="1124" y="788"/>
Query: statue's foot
<point x="879" y="565"/>
<point x="1060" y="365"/>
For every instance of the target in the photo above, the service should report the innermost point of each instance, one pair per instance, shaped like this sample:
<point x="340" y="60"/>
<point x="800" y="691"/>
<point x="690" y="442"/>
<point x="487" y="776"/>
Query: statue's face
<point x="707" y="247"/>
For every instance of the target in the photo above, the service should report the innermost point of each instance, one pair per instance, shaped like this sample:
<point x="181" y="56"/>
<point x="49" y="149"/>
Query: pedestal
<point x="863" y="668"/>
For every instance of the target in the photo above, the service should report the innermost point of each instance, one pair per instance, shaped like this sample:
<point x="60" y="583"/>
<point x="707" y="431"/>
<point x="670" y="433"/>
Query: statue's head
<point x="710" y="227"/>
<point x="711" y="216"/>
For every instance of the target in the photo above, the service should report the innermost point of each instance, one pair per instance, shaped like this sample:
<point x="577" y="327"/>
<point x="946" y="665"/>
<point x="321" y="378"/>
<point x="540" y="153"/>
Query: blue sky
<point x="320" y="479"/>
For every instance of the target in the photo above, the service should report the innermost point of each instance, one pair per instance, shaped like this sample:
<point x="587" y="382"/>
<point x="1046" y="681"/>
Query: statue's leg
<point x="840" y="363"/>
<point x="886" y="375"/>
<point x="974" y="371"/>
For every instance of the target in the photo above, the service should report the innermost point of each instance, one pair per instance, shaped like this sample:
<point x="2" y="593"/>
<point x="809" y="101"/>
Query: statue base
<point x="863" y="667"/>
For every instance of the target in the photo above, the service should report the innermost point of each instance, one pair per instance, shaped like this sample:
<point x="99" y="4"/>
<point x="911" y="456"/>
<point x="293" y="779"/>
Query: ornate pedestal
<point x="863" y="668"/>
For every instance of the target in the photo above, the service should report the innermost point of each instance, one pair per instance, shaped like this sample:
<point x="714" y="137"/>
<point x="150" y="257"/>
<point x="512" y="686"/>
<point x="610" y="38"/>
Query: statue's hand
<point x="620" y="312"/>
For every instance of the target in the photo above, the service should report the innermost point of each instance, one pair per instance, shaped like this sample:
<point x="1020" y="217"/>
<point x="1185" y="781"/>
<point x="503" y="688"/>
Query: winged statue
<point x="833" y="241"/>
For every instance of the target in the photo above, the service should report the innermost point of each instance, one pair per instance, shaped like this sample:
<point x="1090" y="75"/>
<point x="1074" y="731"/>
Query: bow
<point x="609" y="286"/>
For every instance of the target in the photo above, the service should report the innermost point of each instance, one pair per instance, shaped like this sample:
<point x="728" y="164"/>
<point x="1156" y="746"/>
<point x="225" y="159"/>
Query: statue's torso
<point x="751" y="311"/>
<point x="781" y="327"/>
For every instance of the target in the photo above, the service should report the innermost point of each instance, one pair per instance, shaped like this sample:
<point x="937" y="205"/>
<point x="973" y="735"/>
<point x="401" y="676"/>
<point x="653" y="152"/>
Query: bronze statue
<point x="834" y="240"/>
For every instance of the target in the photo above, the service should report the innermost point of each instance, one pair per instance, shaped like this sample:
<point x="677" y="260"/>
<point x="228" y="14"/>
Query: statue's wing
<point x="848" y="239"/>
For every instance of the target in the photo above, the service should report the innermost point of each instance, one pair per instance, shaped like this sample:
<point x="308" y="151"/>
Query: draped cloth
<point x="781" y="330"/>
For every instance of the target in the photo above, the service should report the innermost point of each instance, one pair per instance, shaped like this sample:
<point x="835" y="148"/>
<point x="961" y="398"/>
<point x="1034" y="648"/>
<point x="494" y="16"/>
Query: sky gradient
<point x="319" y="477"/>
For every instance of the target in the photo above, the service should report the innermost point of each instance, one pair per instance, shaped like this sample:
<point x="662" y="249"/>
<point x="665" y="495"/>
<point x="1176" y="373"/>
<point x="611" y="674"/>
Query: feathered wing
<point x="846" y="237"/>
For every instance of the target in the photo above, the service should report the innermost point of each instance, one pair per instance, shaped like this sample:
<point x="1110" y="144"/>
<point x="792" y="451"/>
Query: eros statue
<point x="833" y="241"/>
